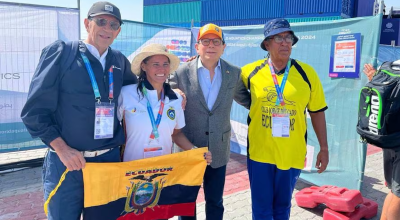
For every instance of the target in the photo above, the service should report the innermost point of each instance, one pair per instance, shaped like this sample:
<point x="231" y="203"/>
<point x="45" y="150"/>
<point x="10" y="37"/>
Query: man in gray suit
<point x="209" y="84"/>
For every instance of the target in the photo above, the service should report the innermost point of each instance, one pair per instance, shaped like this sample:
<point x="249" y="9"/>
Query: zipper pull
<point x="367" y="99"/>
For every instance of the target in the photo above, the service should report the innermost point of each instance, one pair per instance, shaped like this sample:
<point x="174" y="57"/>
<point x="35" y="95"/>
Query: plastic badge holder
<point x="368" y="209"/>
<point x="336" y="198"/>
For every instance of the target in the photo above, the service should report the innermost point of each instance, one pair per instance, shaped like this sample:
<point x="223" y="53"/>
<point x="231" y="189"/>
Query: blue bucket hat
<point x="276" y="26"/>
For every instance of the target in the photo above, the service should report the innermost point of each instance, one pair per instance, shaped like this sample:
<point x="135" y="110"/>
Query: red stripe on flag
<point x="162" y="212"/>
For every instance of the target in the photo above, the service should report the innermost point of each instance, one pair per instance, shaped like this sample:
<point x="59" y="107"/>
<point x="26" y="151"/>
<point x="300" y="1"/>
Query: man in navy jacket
<point x="71" y="108"/>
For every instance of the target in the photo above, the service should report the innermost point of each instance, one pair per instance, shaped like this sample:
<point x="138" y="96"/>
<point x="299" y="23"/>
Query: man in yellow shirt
<point x="281" y="89"/>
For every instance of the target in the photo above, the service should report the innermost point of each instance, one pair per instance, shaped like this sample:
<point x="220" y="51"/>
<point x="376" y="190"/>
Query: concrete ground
<point x="21" y="196"/>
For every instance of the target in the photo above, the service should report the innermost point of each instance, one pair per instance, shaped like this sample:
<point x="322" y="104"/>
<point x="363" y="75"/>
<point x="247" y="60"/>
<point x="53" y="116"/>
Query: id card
<point x="280" y="125"/>
<point x="104" y="121"/>
<point x="154" y="149"/>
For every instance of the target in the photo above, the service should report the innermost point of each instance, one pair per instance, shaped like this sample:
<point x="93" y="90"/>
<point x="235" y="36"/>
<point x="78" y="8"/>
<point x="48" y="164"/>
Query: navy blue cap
<point x="105" y="8"/>
<point x="277" y="26"/>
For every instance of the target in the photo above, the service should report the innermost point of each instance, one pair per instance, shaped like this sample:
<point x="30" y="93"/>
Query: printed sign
<point x="345" y="56"/>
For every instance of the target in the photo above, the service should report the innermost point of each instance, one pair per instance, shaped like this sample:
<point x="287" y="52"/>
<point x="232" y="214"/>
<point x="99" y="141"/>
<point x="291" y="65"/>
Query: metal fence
<point x="24" y="31"/>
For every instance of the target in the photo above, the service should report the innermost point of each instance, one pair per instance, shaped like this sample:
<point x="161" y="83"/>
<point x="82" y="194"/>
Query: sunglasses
<point x="279" y="39"/>
<point x="101" y="22"/>
<point x="215" y="41"/>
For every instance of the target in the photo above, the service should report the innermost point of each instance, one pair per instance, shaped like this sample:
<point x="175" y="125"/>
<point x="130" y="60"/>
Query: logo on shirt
<point x="133" y="110"/>
<point x="272" y="95"/>
<point x="171" y="113"/>
<point x="115" y="67"/>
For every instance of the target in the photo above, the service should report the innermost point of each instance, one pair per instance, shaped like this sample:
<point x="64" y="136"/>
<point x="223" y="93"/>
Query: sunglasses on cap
<point x="215" y="41"/>
<point x="101" y="22"/>
<point x="279" y="39"/>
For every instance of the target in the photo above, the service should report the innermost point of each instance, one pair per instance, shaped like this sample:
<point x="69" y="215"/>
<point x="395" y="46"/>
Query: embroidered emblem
<point x="114" y="67"/>
<point x="171" y="113"/>
<point x="108" y="8"/>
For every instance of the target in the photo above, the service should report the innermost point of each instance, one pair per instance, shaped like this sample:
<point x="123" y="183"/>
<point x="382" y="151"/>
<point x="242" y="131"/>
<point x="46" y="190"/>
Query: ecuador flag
<point x="153" y="188"/>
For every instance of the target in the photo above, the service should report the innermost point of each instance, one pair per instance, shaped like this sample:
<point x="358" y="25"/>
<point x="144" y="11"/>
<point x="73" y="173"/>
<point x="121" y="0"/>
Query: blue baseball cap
<point x="277" y="26"/>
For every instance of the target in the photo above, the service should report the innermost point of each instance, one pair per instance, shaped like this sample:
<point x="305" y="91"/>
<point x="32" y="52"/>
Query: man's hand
<point x="369" y="71"/>
<point x="183" y="96"/>
<point x="71" y="158"/>
<point x="191" y="58"/>
<point x="322" y="160"/>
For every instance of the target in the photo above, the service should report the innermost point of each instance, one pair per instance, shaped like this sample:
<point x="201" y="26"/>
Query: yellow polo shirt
<point x="284" y="152"/>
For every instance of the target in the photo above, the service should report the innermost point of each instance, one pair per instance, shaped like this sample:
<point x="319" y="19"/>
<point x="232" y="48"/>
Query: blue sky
<point x="130" y="9"/>
<point x="390" y="3"/>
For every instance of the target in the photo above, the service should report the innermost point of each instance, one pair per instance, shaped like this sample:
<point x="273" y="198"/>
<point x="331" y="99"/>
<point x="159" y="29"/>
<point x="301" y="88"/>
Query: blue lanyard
<point x="279" y="89"/>
<point x="94" y="82"/>
<point x="154" y="123"/>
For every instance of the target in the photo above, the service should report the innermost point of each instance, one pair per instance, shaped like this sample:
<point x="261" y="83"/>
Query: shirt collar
<point x="167" y="90"/>
<point x="93" y="50"/>
<point x="282" y="71"/>
<point x="200" y="64"/>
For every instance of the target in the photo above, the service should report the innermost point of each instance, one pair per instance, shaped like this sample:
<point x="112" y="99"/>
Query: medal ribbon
<point x="279" y="89"/>
<point x="154" y="123"/>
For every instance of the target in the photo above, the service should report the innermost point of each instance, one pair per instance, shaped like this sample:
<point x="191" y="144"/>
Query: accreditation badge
<point x="104" y="121"/>
<point x="153" y="149"/>
<point x="280" y="125"/>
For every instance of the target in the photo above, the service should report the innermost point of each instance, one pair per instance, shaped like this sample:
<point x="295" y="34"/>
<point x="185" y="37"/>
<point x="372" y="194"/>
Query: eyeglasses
<point x="206" y="42"/>
<point x="101" y="22"/>
<point x="279" y="39"/>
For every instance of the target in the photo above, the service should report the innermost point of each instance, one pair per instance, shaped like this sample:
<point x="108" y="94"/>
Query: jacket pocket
<point x="226" y="136"/>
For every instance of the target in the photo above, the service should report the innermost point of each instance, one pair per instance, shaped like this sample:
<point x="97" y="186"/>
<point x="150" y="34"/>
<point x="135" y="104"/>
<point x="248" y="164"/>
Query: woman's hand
<point x="208" y="157"/>
<point x="369" y="71"/>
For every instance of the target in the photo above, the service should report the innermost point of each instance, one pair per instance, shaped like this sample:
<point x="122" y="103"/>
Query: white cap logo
<point x="108" y="8"/>
<point x="389" y="25"/>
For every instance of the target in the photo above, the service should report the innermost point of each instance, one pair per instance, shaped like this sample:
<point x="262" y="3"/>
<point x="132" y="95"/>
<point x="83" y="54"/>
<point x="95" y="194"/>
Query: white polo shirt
<point x="137" y="120"/>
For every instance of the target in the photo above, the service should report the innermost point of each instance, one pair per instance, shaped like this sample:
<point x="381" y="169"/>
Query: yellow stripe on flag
<point x="54" y="191"/>
<point x="107" y="182"/>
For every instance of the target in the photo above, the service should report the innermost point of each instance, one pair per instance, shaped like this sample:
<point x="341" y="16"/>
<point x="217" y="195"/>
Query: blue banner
<point x="390" y="32"/>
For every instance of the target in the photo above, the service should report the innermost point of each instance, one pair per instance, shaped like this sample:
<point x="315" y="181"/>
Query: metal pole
<point x="79" y="18"/>
<point x="381" y="7"/>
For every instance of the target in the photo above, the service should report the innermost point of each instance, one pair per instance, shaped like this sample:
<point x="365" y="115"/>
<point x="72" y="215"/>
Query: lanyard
<point x="94" y="82"/>
<point x="154" y="123"/>
<point x="279" y="90"/>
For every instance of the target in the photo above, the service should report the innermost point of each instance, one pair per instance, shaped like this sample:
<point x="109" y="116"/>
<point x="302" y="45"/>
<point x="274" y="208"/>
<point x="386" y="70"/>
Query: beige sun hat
<point x="151" y="50"/>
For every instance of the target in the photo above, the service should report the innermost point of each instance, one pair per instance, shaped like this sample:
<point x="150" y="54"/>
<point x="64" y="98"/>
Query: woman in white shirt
<point x="151" y="110"/>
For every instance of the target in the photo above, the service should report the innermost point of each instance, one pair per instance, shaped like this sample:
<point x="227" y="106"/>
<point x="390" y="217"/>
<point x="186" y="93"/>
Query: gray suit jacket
<point x="205" y="127"/>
